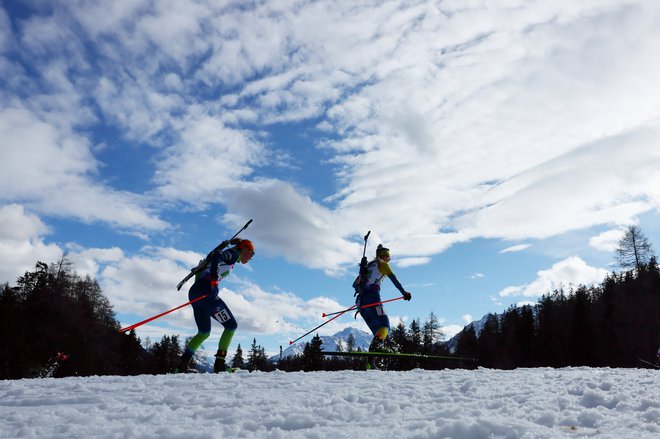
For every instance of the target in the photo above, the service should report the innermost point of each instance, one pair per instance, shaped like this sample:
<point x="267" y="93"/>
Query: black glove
<point x="407" y="295"/>
<point x="235" y="241"/>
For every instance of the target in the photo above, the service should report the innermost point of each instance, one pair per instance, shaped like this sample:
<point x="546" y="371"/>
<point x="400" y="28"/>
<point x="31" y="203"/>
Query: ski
<point x="397" y="354"/>
<point x="657" y="366"/>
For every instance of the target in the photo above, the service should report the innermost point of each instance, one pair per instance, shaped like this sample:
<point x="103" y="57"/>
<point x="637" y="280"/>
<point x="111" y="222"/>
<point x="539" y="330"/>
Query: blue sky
<point x="497" y="148"/>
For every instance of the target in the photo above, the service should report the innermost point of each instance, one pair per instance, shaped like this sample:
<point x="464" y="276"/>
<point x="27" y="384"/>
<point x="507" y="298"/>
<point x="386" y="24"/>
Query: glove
<point x="235" y="241"/>
<point x="407" y="295"/>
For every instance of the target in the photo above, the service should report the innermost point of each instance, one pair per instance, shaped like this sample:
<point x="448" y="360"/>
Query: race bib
<point x="222" y="315"/>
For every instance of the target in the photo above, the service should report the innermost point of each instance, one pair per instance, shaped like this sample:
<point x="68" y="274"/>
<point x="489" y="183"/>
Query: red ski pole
<point x="128" y="328"/>
<point x="362" y="307"/>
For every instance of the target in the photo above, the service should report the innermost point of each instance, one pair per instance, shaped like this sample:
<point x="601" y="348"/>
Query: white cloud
<point x="467" y="318"/>
<point x="52" y="170"/>
<point x="410" y="262"/>
<point x="512" y="290"/>
<point x="515" y="248"/>
<point x="607" y="241"/>
<point x="144" y="285"/>
<point x="477" y="276"/>
<point x="572" y="271"/>
<point x="449" y="123"/>
<point x="22" y="242"/>
<point x="525" y="303"/>
<point x="506" y="157"/>
<point x="209" y="159"/>
<point x="287" y="220"/>
<point x="19" y="225"/>
<point x="5" y="34"/>
<point x="451" y="330"/>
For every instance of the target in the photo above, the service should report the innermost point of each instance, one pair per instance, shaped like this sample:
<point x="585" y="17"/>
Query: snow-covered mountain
<point x="362" y="340"/>
<point x="478" y="326"/>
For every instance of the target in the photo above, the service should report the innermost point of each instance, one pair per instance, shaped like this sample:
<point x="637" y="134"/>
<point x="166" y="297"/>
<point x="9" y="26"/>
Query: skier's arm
<point x="406" y="295"/>
<point x="396" y="283"/>
<point x="215" y="260"/>
<point x="228" y="257"/>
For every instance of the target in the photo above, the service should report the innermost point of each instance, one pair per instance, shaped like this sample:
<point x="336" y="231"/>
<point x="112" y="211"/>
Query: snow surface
<point x="473" y="404"/>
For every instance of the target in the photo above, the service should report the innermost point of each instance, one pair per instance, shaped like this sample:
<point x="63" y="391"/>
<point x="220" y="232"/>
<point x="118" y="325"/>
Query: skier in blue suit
<point x="212" y="306"/>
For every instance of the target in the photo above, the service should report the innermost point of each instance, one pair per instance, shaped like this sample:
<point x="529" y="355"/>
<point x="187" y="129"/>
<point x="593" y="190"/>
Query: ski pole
<point x="338" y="312"/>
<point x="322" y="324"/>
<point x="202" y="264"/>
<point x="362" y="307"/>
<point x="128" y="328"/>
<point x="362" y="266"/>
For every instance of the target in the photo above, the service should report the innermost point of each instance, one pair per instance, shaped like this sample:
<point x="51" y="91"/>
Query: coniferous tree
<point x="257" y="359"/>
<point x="415" y="337"/>
<point x="313" y="355"/>
<point x="238" y="362"/>
<point x="526" y="334"/>
<point x="634" y="249"/>
<point x="399" y="337"/>
<point x="78" y="317"/>
<point x="350" y="343"/>
<point x="253" y="356"/>
<point x="165" y="355"/>
<point x="467" y="343"/>
<point x="489" y="349"/>
<point x="431" y="334"/>
<point x="133" y="357"/>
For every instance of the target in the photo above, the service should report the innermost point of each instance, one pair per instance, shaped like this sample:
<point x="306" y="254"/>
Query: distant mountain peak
<point x="361" y="340"/>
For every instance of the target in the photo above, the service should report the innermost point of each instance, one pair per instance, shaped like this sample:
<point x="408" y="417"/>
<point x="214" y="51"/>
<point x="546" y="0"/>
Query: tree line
<point x="613" y="324"/>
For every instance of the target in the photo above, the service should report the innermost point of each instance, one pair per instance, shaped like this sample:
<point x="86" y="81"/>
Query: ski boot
<point x="372" y="365"/>
<point x="375" y="363"/>
<point x="220" y="366"/>
<point x="183" y="366"/>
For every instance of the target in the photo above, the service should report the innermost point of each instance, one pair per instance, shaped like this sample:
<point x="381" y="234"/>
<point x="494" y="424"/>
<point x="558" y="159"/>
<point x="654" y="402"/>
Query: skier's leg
<point x="379" y="323"/>
<point x="223" y="314"/>
<point x="203" y="321"/>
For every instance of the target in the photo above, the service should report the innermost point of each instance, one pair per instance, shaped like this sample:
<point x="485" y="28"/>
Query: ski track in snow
<point x="472" y="404"/>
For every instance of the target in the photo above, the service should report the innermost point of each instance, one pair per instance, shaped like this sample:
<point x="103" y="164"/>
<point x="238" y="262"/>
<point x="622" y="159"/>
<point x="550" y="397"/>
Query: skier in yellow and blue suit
<point x="368" y="291"/>
<point x="212" y="306"/>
